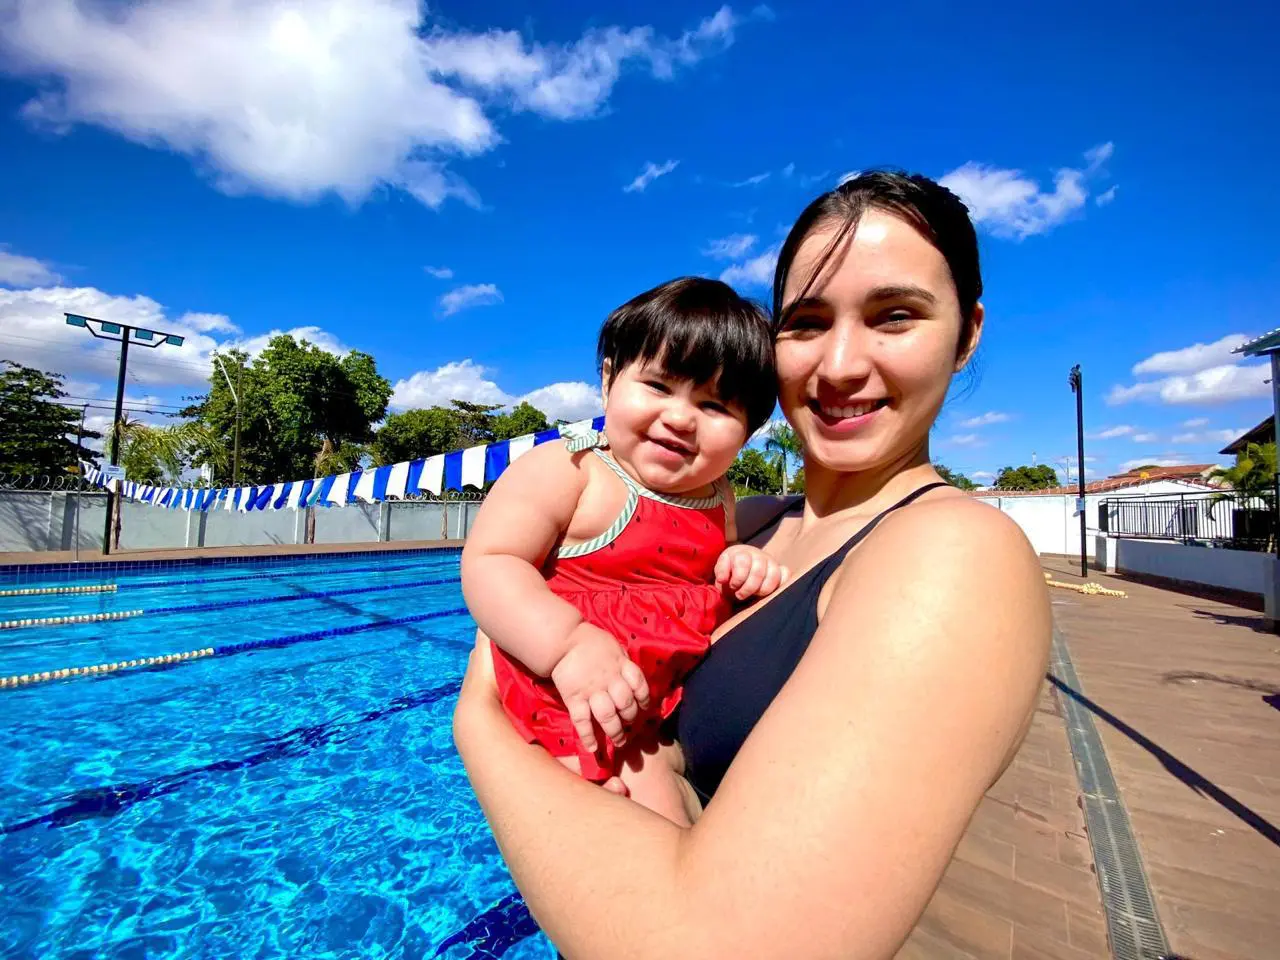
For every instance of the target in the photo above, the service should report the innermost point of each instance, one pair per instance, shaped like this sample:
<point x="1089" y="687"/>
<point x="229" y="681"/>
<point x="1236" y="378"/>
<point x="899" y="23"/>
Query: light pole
<point x="235" y="453"/>
<point x="1077" y="387"/>
<point x="119" y="332"/>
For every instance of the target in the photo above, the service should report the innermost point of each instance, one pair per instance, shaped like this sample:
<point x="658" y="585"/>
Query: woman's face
<point x="864" y="361"/>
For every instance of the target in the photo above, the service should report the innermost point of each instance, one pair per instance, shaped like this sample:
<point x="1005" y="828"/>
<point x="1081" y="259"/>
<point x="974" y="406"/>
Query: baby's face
<point x="674" y="436"/>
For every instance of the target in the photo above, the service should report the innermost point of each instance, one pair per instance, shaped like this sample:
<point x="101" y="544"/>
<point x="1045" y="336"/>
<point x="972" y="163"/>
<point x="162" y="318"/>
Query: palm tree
<point x="150" y="454"/>
<point x="1251" y="478"/>
<point x="782" y="440"/>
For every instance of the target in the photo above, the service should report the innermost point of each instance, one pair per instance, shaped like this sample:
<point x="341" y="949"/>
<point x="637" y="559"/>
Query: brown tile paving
<point x="1199" y="766"/>
<point x="1021" y="883"/>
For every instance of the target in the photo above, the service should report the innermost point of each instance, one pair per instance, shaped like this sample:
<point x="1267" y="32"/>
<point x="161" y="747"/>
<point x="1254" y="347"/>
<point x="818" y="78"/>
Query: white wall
<point x="1244" y="570"/>
<point x="38" y="520"/>
<point x="1051" y="522"/>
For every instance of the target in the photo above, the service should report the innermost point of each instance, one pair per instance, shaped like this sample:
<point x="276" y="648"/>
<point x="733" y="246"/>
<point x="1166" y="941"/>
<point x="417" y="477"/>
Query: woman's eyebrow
<point x="898" y="291"/>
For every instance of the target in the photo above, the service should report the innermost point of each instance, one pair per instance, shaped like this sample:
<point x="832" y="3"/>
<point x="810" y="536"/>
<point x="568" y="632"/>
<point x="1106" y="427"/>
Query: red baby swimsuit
<point x="649" y="581"/>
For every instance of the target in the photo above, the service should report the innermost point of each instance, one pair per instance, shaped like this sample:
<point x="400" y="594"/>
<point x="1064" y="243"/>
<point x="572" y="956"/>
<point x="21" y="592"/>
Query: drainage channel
<point x="1133" y="927"/>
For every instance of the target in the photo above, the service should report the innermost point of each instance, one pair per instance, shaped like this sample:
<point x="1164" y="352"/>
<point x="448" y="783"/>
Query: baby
<point x="600" y="565"/>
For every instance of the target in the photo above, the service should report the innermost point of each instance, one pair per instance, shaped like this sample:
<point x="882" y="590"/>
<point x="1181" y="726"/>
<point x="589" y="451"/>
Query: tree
<point x="1041" y="477"/>
<point x="752" y="472"/>
<point x="955" y="479"/>
<point x="1254" y="472"/>
<point x="34" y="425"/>
<point x="156" y="454"/>
<point x="523" y="419"/>
<point x="783" y="441"/>
<point x="417" y="433"/>
<point x="300" y="407"/>
<point x="475" y="421"/>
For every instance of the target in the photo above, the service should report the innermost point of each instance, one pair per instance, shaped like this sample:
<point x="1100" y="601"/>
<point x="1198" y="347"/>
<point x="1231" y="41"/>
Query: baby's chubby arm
<point x="523" y="518"/>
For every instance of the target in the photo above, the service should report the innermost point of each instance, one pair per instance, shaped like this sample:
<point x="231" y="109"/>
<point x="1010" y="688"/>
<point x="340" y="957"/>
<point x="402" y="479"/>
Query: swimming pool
<point x="294" y="794"/>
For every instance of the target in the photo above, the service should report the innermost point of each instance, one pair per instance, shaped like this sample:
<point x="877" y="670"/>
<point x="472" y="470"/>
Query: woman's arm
<point x="523" y="517"/>
<point x="840" y="814"/>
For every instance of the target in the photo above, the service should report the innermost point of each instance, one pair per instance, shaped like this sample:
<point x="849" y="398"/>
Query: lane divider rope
<point x="70" y="618"/>
<point x="225" y="650"/>
<point x="45" y="591"/>
<point x="1089" y="589"/>
<point x="20" y="680"/>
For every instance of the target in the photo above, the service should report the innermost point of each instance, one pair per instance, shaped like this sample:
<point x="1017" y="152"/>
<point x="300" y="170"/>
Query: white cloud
<point x="33" y="331"/>
<point x="1204" y="437"/>
<point x="1010" y="204"/>
<point x="650" y="173"/>
<point x="759" y="178"/>
<point x="1107" y="195"/>
<point x="981" y="475"/>
<point x="731" y="247"/>
<point x="1152" y="462"/>
<point x="965" y="440"/>
<point x="762" y="433"/>
<point x="846" y="177"/>
<point x="1195" y="423"/>
<point x="1200" y="373"/>
<point x="1215" y="385"/>
<point x="1110" y="433"/>
<point x="19" y="271"/>
<point x="470" y="295"/>
<point x="756" y="272"/>
<point x="440" y="273"/>
<point x="789" y="169"/>
<point x="983" y="420"/>
<point x="1198" y="356"/>
<point x="1145" y="438"/>
<point x="467" y="380"/>
<point x="299" y="100"/>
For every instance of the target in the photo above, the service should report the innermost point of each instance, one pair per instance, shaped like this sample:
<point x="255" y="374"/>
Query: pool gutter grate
<point x="1133" y="927"/>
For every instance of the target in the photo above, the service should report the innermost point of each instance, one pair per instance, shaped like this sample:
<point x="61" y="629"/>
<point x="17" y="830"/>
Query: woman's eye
<point x="896" y="318"/>
<point x="803" y="321"/>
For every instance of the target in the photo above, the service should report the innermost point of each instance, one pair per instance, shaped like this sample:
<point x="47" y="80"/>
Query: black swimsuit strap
<point x="858" y="537"/>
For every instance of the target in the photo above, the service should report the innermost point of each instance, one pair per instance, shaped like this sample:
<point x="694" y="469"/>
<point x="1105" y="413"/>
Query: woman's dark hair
<point x="939" y="215"/>
<point x="698" y="330"/>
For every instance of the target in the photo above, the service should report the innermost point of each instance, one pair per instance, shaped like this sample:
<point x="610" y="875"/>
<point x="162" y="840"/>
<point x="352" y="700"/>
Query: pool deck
<point x="1185" y="693"/>
<point x="263" y="550"/>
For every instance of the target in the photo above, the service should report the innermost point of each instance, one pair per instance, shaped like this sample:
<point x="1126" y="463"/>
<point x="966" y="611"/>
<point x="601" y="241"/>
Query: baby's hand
<point x="749" y="572"/>
<point x="597" y="679"/>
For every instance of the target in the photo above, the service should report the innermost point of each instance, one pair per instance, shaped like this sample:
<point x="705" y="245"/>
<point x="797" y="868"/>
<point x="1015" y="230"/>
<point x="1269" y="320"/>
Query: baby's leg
<point x="651" y="779"/>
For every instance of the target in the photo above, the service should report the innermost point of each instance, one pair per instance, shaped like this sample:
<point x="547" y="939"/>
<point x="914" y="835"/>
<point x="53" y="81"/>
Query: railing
<point x="1219" y="518"/>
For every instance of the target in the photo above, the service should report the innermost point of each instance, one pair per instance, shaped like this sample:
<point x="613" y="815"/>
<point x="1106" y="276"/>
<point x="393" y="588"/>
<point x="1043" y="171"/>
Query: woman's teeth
<point x="853" y="410"/>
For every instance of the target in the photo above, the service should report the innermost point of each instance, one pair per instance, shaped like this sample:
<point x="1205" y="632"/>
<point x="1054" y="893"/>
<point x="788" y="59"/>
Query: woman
<point x="849" y="724"/>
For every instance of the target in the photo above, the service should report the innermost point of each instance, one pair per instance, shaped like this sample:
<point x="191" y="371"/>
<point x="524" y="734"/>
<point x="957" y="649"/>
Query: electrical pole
<point x="235" y="395"/>
<point x="1077" y="386"/>
<point x="119" y="332"/>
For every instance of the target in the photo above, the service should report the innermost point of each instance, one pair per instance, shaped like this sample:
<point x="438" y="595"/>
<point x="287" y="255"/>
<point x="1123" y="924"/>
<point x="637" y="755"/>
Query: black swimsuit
<point x="725" y="696"/>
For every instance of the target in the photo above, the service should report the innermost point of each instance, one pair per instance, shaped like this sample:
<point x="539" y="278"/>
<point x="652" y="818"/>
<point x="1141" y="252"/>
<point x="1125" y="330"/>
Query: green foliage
<point x="955" y="479"/>
<point x="1041" y="477"/>
<point x="151" y="454"/>
<point x="1254" y="472"/>
<point x="523" y="419"/>
<point x="783" y="441"/>
<point x="300" y="407"/>
<point x="34" y="426"/>
<point x="416" y="433"/>
<point x="753" y="473"/>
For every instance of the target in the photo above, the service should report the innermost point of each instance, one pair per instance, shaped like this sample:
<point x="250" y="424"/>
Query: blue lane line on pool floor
<point x="494" y="932"/>
<point x="276" y="642"/>
<point x="292" y="598"/>
<point x="102" y="802"/>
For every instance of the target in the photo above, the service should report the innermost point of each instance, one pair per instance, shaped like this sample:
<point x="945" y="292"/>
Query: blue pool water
<point x="296" y="795"/>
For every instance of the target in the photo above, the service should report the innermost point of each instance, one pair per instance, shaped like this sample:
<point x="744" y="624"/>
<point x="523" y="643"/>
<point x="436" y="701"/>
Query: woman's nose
<point x="846" y="356"/>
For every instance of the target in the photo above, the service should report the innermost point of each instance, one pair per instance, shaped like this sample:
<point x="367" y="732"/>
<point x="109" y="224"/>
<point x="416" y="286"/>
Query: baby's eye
<point x="714" y="407"/>
<point x="657" y="385"/>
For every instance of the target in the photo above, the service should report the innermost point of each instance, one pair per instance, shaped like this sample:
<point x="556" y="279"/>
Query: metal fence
<point x="1219" y="518"/>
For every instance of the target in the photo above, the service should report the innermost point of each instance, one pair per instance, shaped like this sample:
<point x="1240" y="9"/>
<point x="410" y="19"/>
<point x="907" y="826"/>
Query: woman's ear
<point x="966" y="351"/>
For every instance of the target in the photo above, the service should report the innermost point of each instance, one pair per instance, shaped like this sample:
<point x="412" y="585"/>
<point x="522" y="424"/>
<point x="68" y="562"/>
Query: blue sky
<point x="229" y="169"/>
